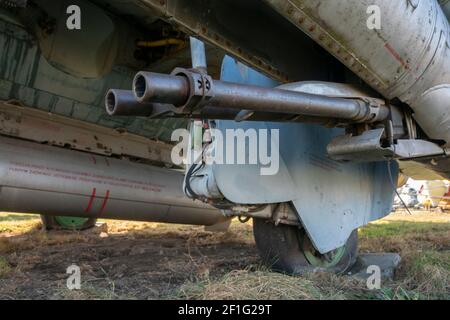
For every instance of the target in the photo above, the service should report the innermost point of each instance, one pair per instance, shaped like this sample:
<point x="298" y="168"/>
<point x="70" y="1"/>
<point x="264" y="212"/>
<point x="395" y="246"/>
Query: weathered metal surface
<point x="368" y="146"/>
<point x="92" y="51"/>
<point x="439" y="165"/>
<point x="43" y="127"/>
<point x="408" y="58"/>
<point x="410" y="149"/>
<point x="124" y="103"/>
<point x="13" y="3"/>
<point x="364" y="147"/>
<point x="191" y="91"/>
<point x="54" y="181"/>
<point x="26" y="76"/>
<point x="198" y="55"/>
<point x="332" y="198"/>
<point x="421" y="171"/>
<point x="244" y="29"/>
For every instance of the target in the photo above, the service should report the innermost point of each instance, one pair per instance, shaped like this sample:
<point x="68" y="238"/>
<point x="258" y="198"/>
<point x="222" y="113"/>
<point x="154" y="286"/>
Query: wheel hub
<point x="315" y="258"/>
<point x="71" y="222"/>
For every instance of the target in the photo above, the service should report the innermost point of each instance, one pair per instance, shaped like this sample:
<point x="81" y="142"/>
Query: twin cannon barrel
<point x="186" y="93"/>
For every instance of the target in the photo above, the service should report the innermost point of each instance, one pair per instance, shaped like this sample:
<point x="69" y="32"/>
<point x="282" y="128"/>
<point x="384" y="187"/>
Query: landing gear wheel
<point x="288" y="249"/>
<point x="67" y="223"/>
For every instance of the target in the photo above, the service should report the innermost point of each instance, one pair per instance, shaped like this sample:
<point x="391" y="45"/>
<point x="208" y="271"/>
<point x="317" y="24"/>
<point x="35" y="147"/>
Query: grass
<point x="250" y="285"/>
<point x="422" y="240"/>
<point x="37" y="238"/>
<point x="17" y="217"/>
<point x="402" y="228"/>
<point x="5" y="268"/>
<point x="9" y="225"/>
<point x="88" y="292"/>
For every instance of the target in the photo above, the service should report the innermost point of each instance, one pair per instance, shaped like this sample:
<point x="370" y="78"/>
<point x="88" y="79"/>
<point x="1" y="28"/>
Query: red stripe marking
<point x="105" y="200"/>
<point x="397" y="56"/>
<point x="91" y="201"/>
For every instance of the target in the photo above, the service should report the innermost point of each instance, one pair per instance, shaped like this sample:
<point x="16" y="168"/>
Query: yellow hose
<point x="161" y="43"/>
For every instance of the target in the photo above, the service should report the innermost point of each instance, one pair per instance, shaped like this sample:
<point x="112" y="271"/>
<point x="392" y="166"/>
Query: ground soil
<point x="154" y="261"/>
<point x="146" y="264"/>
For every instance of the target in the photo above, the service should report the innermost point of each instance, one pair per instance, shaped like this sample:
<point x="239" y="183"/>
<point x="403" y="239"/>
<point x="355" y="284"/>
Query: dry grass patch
<point x="426" y="274"/>
<point x="88" y="292"/>
<point x="251" y="285"/>
<point x="12" y="227"/>
<point x="40" y="238"/>
<point x="5" y="268"/>
<point x="422" y="240"/>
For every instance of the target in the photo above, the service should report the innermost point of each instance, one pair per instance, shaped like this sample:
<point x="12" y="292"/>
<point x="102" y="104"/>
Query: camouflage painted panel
<point x="26" y="76"/>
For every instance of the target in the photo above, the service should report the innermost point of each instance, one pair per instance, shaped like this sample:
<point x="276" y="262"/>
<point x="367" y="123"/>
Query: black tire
<point x="50" y="223"/>
<point x="282" y="248"/>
